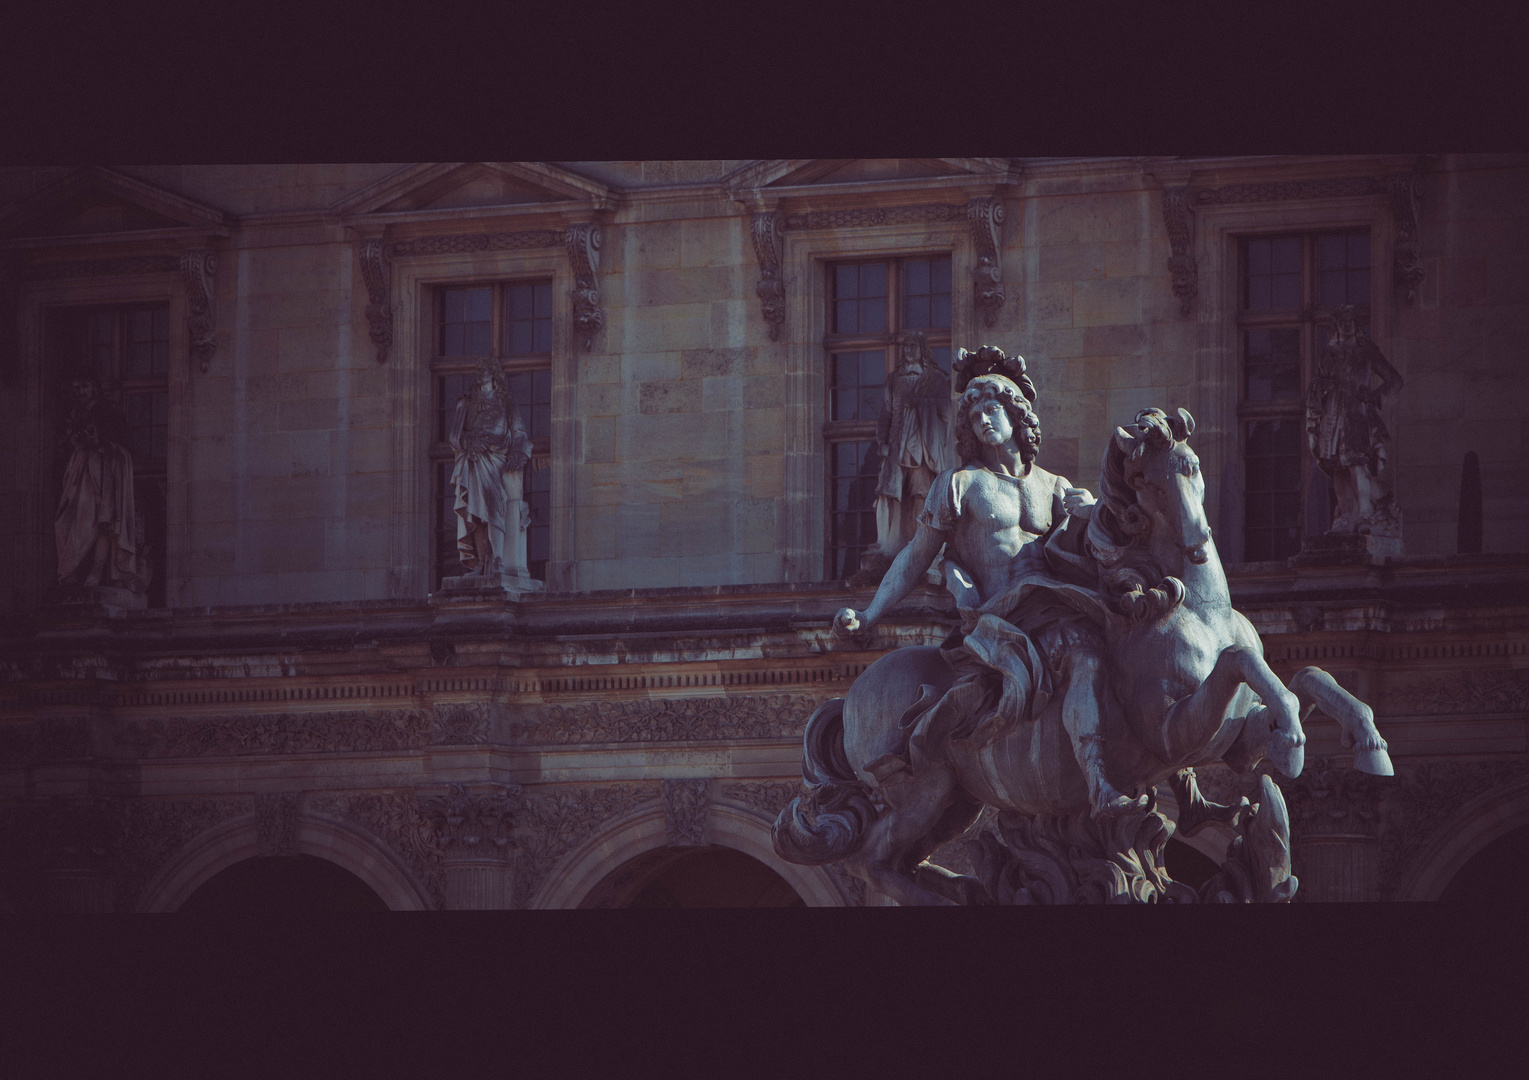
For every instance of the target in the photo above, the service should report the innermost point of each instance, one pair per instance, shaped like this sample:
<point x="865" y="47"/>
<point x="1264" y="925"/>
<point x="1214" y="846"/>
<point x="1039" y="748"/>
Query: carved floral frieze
<point x="765" y="229"/>
<point x="670" y="720"/>
<point x="475" y="824"/>
<point x="280" y="733"/>
<point x="584" y="240"/>
<point x="377" y="273"/>
<point x="199" y="269"/>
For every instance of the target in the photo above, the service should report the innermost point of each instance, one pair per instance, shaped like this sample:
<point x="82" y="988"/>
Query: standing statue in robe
<point x="1345" y="430"/>
<point x="488" y="483"/>
<point x="97" y="530"/>
<point x="913" y="434"/>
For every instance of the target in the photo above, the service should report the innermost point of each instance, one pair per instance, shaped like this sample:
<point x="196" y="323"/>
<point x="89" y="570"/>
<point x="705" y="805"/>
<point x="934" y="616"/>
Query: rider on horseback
<point x="1026" y="590"/>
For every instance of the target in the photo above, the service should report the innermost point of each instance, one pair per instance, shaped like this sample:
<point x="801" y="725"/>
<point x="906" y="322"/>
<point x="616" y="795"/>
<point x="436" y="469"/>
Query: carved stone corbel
<point x="377" y="272"/>
<point x="1179" y="217"/>
<point x="1405" y="188"/>
<point x="685" y="803"/>
<point x="765" y="228"/>
<point x="199" y="269"/>
<point x="986" y="217"/>
<point x="583" y="242"/>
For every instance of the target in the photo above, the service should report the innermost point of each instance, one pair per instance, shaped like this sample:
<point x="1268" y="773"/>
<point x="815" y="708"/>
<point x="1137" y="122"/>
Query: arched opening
<point x="717" y="877"/>
<point x="282" y="883"/>
<point x="1497" y="874"/>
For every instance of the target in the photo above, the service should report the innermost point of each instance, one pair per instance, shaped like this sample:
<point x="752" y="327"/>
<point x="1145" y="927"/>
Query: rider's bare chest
<point x="997" y="503"/>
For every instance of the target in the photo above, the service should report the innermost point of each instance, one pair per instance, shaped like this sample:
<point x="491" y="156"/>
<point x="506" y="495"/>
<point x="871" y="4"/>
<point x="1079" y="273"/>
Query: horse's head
<point x="1154" y="492"/>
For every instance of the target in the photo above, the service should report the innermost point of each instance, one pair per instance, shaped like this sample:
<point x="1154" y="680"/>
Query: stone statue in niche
<point x="1348" y="437"/>
<point x="488" y="484"/>
<point x="97" y="530"/>
<point x="913" y="435"/>
<point x="1097" y="657"/>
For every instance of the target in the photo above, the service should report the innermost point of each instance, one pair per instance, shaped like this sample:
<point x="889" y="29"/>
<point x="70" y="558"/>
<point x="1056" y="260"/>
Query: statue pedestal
<point x="488" y="587"/>
<point x="113" y="600"/>
<point x="1334" y="549"/>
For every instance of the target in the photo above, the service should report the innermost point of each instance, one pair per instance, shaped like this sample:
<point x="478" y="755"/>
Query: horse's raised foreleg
<point x="1204" y="711"/>
<point x="1317" y="689"/>
<point x="888" y="859"/>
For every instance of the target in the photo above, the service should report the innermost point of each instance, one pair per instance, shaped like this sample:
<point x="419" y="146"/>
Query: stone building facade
<point x="285" y="340"/>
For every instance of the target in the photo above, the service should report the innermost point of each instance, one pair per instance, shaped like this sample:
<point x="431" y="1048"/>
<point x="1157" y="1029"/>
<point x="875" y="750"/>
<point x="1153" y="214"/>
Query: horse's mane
<point x="1119" y="530"/>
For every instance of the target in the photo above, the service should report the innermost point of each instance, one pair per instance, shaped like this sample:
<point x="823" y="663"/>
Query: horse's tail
<point x="829" y="822"/>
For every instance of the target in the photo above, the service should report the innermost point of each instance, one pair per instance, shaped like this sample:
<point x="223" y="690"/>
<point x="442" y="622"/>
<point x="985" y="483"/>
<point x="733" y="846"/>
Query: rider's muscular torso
<point x="992" y="522"/>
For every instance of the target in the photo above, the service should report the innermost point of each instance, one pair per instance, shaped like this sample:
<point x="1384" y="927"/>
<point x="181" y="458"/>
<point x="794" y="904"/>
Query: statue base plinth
<point x="114" y="600"/>
<point x="1335" y="549"/>
<point x="486" y="587"/>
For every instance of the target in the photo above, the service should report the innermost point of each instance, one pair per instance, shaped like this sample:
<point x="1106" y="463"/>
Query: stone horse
<point x="1186" y="684"/>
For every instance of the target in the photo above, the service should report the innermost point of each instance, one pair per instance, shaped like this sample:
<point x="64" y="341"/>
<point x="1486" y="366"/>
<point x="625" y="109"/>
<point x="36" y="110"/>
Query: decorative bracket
<point x="1179" y="217"/>
<point x="583" y="242"/>
<point x="377" y="272"/>
<point x="765" y="228"/>
<point x="199" y="269"/>
<point x="986" y="217"/>
<point x="1405" y="188"/>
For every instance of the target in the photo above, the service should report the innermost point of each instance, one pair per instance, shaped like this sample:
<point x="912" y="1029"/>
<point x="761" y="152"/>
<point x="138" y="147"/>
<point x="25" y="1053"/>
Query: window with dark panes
<point x="1289" y="287"/>
<point x="126" y="348"/>
<point x="511" y="322"/>
<point x="871" y="305"/>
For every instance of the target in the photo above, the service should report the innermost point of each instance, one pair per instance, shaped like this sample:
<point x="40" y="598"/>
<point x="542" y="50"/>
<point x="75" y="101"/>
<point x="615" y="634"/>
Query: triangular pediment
<point x="477" y="185"/>
<point x="100" y="204"/>
<point x="782" y="175"/>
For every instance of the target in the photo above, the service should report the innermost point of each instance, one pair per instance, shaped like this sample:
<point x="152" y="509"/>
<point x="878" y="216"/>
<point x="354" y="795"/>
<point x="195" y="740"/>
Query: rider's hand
<point x="848" y="621"/>
<point x="1079" y="503"/>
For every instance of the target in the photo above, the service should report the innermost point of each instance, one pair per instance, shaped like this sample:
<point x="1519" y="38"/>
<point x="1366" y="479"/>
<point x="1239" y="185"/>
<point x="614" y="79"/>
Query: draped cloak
<point x="487" y="491"/>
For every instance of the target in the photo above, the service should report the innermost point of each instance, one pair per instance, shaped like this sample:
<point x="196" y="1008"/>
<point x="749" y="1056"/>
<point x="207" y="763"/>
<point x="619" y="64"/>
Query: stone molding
<point x="765" y="229"/>
<point x="377" y="273"/>
<point x="669" y="720"/>
<point x="1283" y="190"/>
<point x="985" y="215"/>
<point x="685" y="803"/>
<point x="554" y="824"/>
<point x="466" y="243"/>
<point x="80" y="268"/>
<point x="199" y="269"/>
<point x="1476" y="692"/>
<point x="584" y="240"/>
<point x="396" y="819"/>
<point x="853" y="217"/>
<point x="280" y="733"/>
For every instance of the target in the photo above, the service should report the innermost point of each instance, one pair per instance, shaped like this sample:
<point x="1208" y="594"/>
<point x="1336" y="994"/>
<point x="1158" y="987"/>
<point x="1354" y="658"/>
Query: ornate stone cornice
<point x="199" y="268"/>
<point x="1178" y="216"/>
<point x="584" y="240"/>
<point x="770" y="716"/>
<point x="1283" y="190"/>
<point x="1405" y="188"/>
<point x="465" y="243"/>
<point x="377" y="272"/>
<point x="1477" y="692"/>
<point x="685" y="803"/>
<point x="986" y="217"/>
<point x="280" y="733"/>
<point x="765" y="228"/>
<point x="852" y="217"/>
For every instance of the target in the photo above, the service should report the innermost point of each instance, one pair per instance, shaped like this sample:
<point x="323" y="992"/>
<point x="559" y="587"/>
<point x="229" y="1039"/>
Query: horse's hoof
<point x="1374" y="762"/>
<point x="1289" y="760"/>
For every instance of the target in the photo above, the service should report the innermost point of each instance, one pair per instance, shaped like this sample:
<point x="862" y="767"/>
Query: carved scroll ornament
<point x="199" y="269"/>
<point x="377" y="272"/>
<point x="986" y="217"/>
<point x="1179" y="217"/>
<point x="1406" y="264"/>
<point x="765" y="228"/>
<point x="583" y="242"/>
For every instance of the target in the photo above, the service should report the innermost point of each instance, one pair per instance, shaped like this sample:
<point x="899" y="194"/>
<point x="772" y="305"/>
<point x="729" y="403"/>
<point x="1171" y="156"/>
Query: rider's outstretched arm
<point x="906" y="571"/>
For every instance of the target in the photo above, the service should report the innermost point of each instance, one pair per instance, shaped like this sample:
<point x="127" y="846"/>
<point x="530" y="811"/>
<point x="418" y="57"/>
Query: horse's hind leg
<point x="1316" y="688"/>
<point x="898" y="841"/>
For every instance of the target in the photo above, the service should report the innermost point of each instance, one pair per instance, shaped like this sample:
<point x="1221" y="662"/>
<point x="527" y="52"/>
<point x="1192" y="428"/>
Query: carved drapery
<point x="199" y="269"/>
<point x="584" y="242"/>
<point x="986" y="217"/>
<point x="1178" y="216"/>
<point x="685" y="803"/>
<point x="377" y="272"/>
<point x="765" y="228"/>
<point x="1406" y="263"/>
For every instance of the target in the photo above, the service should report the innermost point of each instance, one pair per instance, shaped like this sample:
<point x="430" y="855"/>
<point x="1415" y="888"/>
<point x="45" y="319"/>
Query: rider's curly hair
<point x="980" y="391"/>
